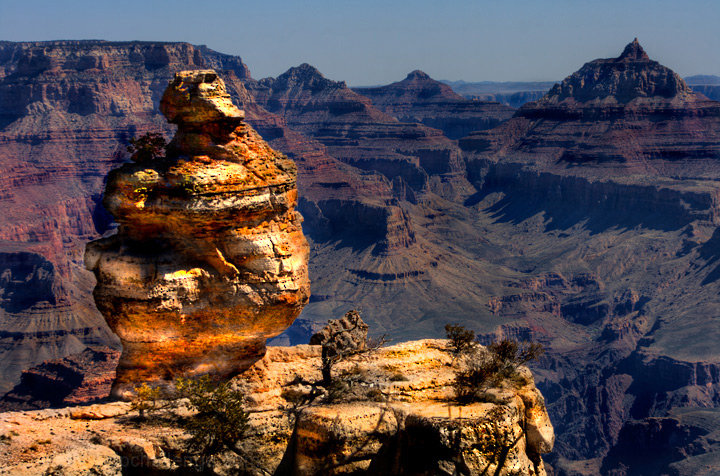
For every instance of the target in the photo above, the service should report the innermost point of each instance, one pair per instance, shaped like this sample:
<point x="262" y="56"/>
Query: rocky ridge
<point x="414" y="157"/>
<point x="398" y="418"/>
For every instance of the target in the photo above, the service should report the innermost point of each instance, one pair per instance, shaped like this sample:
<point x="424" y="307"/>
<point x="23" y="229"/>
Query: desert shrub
<point x="483" y="369"/>
<point x="462" y="340"/>
<point x="147" y="400"/>
<point x="220" y="421"/>
<point x="477" y="374"/>
<point x="511" y="354"/>
<point x="147" y="147"/>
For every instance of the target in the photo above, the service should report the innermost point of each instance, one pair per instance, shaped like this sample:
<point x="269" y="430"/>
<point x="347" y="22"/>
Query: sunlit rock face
<point x="209" y="260"/>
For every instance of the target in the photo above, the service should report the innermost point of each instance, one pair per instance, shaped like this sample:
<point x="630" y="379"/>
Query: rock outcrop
<point x="73" y="380"/>
<point x="209" y="260"/>
<point x="66" y="110"/>
<point x="419" y="98"/>
<point x="397" y="418"/>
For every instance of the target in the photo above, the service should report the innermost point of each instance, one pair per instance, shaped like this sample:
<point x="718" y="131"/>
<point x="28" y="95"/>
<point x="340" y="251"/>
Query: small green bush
<point x="511" y="354"/>
<point x="462" y="340"/>
<point x="147" y="400"/>
<point x="221" y="419"/>
<point x="481" y="370"/>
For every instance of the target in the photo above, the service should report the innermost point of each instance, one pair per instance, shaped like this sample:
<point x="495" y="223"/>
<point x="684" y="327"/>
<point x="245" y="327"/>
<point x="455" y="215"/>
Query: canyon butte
<point x="587" y="221"/>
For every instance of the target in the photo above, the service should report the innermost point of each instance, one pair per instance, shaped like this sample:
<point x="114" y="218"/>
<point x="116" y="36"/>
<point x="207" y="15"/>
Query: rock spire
<point x="634" y="52"/>
<point x="209" y="259"/>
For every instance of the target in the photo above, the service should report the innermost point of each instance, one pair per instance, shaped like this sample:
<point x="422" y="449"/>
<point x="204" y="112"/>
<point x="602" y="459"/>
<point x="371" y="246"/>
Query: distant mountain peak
<point x="309" y="76"/>
<point x="304" y="70"/>
<point x="634" y="52"/>
<point x="630" y="76"/>
<point x="417" y="74"/>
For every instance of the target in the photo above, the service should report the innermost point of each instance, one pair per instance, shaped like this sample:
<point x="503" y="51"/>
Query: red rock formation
<point x="419" y="98"/>
<point x="62" y="126"/>
<point x="55" y="158"/>
<point x="614" y="174"/>
<point x="209" y="260"/>
<point x="415" y="157"/>
<point x="76" y="379"/>
<point x="625" y="117"/>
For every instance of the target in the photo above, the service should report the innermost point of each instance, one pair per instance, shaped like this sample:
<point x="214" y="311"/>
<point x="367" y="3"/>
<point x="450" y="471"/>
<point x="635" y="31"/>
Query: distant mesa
<point x="630" y="101"/>
<point x="77" y="379"/>
<point x="417" y="74"/>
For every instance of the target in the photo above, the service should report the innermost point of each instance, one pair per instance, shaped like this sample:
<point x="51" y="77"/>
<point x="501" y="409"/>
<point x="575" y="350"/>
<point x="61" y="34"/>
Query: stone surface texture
<point x="383" y="425"/>
<point x="209" y="260"/>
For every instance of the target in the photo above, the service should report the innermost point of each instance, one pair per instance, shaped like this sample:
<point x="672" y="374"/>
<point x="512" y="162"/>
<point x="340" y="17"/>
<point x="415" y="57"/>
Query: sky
<point x="373" y="42"/>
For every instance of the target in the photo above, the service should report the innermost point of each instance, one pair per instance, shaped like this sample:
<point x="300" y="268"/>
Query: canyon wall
<point x="419" y="98"/>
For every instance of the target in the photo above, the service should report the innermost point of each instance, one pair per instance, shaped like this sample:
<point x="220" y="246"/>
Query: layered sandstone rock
<point x="209" y="260"/>
<point x="397" y="417"/>
<point x="623" y="119"/>
<point x="415" y="157"/>
<point x="66" y="110"/>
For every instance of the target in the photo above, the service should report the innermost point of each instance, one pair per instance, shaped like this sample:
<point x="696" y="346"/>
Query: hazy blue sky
<point x="373" y="42"/>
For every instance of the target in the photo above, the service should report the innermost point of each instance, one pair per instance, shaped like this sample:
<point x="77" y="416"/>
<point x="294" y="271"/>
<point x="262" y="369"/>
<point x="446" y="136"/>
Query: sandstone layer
<point x="209" y="259"/>
<point x="416" y="158"/>
<point x="398" y="417"/>
<point x="66" y="110"/>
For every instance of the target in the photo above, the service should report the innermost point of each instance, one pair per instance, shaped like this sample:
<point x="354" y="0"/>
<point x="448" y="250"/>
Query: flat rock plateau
<point x="397" y="417"/>
<point x="588" y="221"/>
